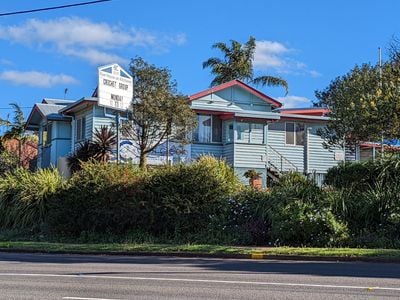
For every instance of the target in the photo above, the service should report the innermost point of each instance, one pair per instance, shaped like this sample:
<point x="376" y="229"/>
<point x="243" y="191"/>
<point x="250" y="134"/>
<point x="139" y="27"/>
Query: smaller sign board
<point x="339" y="155"/>
<point x="115" y="89"/>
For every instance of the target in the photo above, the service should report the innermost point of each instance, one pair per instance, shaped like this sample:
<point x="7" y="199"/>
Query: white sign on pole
<point x="115" y="89"/>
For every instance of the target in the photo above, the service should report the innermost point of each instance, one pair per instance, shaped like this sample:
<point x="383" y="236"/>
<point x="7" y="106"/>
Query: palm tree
<point x="104" y="141"/>
<point x="16" y="129"/>
<point x="100" y="149"/>
<point x="238" y="64"/>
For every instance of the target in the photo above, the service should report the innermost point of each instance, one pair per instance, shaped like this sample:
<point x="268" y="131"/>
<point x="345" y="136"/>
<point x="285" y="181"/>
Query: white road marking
<point x="369" y="288"/>
<point x="80" y="298"/>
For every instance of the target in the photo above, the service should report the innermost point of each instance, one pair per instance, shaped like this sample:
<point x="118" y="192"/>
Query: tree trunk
<point x="143" y="160"/>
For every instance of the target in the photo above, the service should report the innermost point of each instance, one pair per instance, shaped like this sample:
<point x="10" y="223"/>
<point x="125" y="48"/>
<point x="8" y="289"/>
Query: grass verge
<point x="212" y="250"/>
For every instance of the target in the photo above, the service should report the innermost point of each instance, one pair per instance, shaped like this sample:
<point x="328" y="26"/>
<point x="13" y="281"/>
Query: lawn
<point x="215" y="250"/>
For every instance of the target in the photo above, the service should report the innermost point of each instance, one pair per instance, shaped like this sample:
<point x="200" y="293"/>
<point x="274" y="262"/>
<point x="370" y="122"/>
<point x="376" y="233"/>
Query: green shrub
<point x="24" y="197"/>
<point x="167" y="201"/>
<point x="361" y="175"/>
<point x="295" y="186"/>
<point x="351" y="175"/>
<point x="101" y="198"/>
<point x="303" y="224"/>
<point x="239" y="220"/>
<point x="370" y="202"/>
<point x="8" y="161"/>
<point x="185" y="195"/>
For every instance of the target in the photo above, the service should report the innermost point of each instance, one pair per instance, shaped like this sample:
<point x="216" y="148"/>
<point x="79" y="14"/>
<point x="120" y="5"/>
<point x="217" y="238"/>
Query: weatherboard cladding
<point x="294" y="153"/>
<point x="228" y="153"/>
<point x="215" y="150"/>
<point x="249" y="155"/>
<point x="320" y="159"/>
<point x="230" y="100"/>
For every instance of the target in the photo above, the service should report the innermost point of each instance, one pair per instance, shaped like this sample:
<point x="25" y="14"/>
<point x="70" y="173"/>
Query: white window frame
<point x="294" y="134"/>
<point x="211" y="130"/>
<point x="82" y="127"/>
<point x="250" y="128"/>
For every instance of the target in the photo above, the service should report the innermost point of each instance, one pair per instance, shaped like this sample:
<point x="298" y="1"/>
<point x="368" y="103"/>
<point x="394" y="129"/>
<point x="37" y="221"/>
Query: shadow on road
<point x="320" y="268"/>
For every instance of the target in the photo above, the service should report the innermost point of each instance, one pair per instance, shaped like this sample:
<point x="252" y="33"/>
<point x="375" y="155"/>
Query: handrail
<point x="282" y="158"/>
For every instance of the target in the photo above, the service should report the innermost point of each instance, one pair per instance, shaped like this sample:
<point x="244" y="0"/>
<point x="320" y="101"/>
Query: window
<point x="229" y="133"/>
<point x="216" y="129"/>
<point x="294" y="133"/>
<point x="257" y="133"/>
<point x="46" y="134"/>
<point x="243" y="132"/>
<point x="80" y="129"/>
<point x="209" y="129"/>
<point x="250" y="132"/>
<point x="299" y="134"/>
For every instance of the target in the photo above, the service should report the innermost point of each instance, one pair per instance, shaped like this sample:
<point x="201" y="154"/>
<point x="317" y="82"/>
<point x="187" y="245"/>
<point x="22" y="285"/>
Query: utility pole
<point x="117" y="120"/>
<point x="380" y="85"/>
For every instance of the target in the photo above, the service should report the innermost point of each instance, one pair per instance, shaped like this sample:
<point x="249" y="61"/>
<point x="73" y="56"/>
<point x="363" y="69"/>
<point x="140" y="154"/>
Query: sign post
<point x="115" y="91"/>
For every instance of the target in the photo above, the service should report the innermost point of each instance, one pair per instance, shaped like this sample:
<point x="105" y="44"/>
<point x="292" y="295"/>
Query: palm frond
<point x="18" y="114"/>
<point x="212" y="62"/>
<point x="271" y="81"/>
<point x="4" y="122"/>
<point x="223" y="47"/>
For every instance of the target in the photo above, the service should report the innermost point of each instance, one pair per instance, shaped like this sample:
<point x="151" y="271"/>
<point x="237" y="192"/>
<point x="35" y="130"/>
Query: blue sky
<point x="308" y="43"/>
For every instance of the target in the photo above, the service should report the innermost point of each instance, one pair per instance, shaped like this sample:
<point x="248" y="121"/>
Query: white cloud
<point x="294" y="101"/>
<point x="85" y="39"/>
<point x="95" y="57"/>
<point x="36" y="79"/>
<point x="272" y="55"/>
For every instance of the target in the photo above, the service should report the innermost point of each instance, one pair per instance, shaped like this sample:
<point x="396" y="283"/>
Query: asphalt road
<point x="39" y="276"/>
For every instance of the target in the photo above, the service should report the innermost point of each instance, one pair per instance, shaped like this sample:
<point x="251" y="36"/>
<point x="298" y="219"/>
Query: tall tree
<point x="16" y="128"/>
<point x="237" y="63"/>
<point x="364" y="104"/>
<point x="157" y="112"/>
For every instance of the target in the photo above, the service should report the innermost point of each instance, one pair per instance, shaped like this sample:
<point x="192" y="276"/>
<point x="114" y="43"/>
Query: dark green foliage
<point x="117" y="198"/>
<point x="100" y="149"/>
<point x="100" y="198"/>
<point x="369" y="203"/>
<point x="158" y="111"/>
<point x="204" y="203"/>
<point x="300" y="223"/>
<point x="83" y="153"/>
<point x="185" y="195"/>
<point x="356" y="175"/>
<point x="300" y="214"/>
<point x="241" y="219"/>
<point x="361" y="175"/>
<point x="237" y="63"/>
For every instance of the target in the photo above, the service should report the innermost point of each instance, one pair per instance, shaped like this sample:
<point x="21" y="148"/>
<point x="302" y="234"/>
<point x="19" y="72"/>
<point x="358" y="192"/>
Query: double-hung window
<point x="294" y="133"/>
<point x="209" y="129"/>
<point x="80" y="129"/>
<point x="250" y="132"/>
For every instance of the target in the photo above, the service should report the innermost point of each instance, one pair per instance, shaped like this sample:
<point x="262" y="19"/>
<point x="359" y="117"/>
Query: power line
<point x="51" y="8"/>
<point x="10" y="108"/>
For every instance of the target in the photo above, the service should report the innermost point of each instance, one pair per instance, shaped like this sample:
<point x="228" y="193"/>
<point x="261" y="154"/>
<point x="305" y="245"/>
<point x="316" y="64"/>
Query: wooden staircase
<point x="277" y="164"/>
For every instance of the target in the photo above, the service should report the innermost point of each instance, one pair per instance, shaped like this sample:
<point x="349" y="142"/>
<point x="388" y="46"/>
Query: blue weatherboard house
<point x="236" y="122"/>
